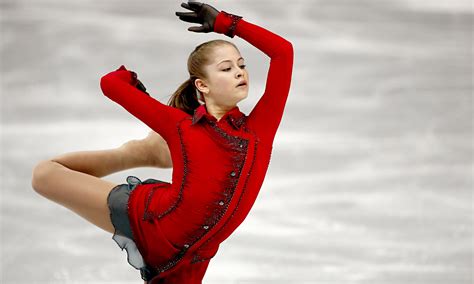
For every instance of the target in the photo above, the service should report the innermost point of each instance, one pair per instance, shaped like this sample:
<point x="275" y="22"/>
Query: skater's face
<point x="224" y="74"/>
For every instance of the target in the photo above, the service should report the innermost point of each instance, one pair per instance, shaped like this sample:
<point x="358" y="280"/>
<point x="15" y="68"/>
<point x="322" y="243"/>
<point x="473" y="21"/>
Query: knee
<point x="41" y="175"/>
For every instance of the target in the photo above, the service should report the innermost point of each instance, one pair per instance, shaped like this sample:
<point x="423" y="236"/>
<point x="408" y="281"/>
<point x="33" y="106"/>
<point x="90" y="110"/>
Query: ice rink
<point x="371" y="175"/>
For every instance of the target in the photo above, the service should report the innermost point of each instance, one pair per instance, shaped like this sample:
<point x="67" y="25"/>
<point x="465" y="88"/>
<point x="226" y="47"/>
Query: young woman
<point x="219" y="155"/>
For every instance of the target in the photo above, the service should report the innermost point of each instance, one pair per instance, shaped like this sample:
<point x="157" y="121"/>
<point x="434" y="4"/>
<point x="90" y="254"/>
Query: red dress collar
<point x="234" y="116"/>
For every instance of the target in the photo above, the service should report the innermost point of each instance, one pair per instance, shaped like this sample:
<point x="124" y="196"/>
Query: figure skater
<point x="219" y="155"/>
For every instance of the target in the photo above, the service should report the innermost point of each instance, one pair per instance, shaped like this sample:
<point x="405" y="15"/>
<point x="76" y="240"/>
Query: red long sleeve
<point x="218" y="166"/>
<point x="117" y="85"/>
<point x="267" y="113"/>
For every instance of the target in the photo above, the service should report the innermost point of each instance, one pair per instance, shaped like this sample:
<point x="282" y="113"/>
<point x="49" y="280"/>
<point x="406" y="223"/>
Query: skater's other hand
<point x="202" y="14"/>
<point x="134" y="80"/>
<point x="137" y="83"/>
<point x="141" y="87"/>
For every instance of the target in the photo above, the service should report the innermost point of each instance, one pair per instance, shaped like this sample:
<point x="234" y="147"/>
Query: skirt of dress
<point x="117" y="201"/>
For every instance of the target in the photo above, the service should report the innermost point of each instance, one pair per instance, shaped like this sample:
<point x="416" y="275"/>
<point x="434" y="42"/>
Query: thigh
<point x="84" y="194"/>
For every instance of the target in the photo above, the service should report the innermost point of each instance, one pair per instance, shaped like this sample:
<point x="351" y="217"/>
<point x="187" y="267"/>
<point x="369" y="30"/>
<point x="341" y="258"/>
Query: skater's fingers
<point x="194" y="4"/>
<point x="191" y="19"/>
<point x="186" y="14"/>
<point x="185" y="5"/>
<point x="200" y="29"/>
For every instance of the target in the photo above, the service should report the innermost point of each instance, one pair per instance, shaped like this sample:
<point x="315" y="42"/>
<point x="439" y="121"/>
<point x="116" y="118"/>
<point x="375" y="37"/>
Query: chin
<point x="243" y="96"/>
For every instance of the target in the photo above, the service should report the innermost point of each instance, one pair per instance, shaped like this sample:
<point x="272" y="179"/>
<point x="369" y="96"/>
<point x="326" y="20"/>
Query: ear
<point x="201" y="85"/>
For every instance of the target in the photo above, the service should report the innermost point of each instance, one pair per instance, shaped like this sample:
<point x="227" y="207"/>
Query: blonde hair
<point x="187" y="97"/>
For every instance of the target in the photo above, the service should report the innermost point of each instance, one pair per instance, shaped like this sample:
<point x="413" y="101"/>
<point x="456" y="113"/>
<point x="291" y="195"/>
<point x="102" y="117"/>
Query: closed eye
<point x="227" y="69"/>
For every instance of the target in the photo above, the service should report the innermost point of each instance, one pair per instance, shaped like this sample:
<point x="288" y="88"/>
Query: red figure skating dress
<point x="218" y="166"/>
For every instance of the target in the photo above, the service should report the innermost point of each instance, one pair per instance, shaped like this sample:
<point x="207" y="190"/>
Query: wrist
<point x="133" y="78"/>
<point x="128" y="75"/>
<point x="226" y="23"/>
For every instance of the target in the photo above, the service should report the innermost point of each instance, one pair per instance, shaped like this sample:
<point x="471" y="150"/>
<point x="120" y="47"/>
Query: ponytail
<point x="185" y="97"/>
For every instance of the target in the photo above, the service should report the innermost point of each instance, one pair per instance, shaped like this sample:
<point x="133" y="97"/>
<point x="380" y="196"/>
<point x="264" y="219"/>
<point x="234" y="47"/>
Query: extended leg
<point x="74" y="179"/>
<point x="84" y="194"/>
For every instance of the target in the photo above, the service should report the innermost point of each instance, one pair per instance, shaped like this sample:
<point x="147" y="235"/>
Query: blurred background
<point x="371" y="174"/>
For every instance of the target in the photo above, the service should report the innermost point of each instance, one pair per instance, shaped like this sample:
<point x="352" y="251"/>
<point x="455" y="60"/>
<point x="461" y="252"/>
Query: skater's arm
<point x="267" y="113"/>
<point x="151" y="151"/>
<point x="121" y="87"/>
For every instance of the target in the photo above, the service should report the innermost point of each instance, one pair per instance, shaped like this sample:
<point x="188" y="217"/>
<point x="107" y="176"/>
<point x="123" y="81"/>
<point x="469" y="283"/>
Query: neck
<point x="217" y="111"/>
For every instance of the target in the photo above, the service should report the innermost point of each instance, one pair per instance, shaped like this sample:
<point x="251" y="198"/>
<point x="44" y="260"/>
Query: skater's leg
<point x="84" y="194"/>
<point x="74" y="179"/>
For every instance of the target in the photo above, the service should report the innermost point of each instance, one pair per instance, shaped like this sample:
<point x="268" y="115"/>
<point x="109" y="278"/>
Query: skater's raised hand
<point x="202" y="14"/>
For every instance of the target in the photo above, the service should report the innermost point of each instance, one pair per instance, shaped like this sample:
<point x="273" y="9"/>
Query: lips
<point x="242" y="83"/>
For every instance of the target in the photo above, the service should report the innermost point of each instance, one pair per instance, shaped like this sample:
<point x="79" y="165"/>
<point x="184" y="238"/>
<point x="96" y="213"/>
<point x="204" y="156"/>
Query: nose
<point x="240" y="73"/>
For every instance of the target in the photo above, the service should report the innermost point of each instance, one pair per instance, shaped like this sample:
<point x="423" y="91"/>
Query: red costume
<point x="218" y="166"/>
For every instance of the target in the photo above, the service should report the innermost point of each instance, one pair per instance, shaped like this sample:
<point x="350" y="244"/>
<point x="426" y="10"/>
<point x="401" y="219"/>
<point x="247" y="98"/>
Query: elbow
<point x="284" y="50"/>
<point x="288" y="49"/>
<point x="289" y="45"/>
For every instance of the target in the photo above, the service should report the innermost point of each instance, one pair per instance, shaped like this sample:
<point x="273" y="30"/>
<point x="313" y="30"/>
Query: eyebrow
<point x="229" y="60"/>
